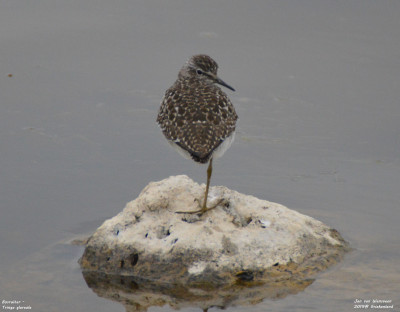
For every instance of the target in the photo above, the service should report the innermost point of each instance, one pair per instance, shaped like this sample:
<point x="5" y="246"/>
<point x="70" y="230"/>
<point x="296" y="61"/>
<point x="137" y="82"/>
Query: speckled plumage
<point x="195" y="114"/>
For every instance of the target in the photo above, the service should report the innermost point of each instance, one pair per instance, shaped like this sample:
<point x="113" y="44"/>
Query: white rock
<point x="150" y="240"/>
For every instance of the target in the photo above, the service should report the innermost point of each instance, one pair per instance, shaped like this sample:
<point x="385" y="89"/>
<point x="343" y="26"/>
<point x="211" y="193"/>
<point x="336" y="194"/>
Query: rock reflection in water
<point x="138" y="294"/>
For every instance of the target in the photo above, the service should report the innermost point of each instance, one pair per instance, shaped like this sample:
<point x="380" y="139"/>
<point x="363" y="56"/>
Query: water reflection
<point x="137" y="294"/>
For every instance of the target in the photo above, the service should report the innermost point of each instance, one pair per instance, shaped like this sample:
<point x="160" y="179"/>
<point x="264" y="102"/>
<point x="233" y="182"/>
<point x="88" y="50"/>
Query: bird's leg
<point x="204" y="207"/>
<point x="209" y="173"/>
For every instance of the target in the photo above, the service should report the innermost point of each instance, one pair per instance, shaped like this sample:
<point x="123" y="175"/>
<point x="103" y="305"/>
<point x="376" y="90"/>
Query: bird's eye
<point x="199" y="72"/>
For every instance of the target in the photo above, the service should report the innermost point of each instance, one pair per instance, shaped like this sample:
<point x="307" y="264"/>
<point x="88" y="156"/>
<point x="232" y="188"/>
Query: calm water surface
<point x="318" y="93"/>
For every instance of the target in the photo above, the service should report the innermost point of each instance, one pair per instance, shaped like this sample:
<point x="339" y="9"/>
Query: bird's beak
<point x="223" y="83"/>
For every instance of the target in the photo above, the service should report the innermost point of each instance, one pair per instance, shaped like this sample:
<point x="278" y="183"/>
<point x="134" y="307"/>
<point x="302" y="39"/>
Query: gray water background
<point x="318" y="96"/>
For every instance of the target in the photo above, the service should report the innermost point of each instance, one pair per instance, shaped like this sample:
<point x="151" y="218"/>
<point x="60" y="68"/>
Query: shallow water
<point x="318" y="101"/>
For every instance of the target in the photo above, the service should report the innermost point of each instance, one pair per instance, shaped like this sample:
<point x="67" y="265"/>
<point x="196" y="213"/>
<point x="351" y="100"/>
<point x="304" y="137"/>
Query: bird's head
<point x="204" y="68"/>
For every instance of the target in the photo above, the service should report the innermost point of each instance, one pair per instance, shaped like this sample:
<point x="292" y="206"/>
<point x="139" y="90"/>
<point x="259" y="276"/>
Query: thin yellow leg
<point x="209" y="173"/>
<point x="204" y="207"/>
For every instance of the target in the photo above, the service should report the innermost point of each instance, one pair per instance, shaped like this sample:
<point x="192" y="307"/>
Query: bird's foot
<point x="203" y="208"/>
